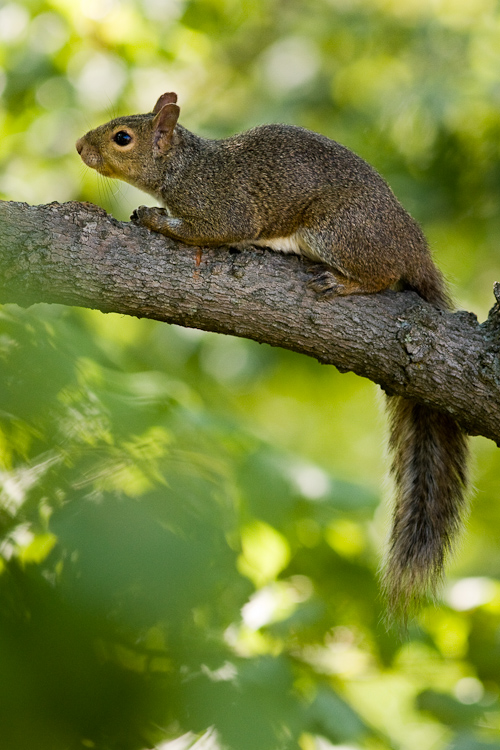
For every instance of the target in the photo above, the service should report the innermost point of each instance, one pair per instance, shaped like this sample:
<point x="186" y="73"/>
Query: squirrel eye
<point x="122" y="138"/>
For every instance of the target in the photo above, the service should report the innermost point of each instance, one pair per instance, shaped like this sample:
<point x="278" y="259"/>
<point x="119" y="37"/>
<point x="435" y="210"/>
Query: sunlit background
<point x="191" y="524"/>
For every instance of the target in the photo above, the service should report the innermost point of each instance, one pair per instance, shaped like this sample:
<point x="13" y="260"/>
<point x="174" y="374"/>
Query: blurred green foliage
<point x="189" y="523"/>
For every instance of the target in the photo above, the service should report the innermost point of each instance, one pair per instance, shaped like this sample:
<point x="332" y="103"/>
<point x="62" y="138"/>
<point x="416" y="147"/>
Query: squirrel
<point x="295" y="191"/>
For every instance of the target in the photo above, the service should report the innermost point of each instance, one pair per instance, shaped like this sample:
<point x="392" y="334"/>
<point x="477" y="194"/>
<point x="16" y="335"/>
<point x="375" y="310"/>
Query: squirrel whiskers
<point x="296" y="191"/>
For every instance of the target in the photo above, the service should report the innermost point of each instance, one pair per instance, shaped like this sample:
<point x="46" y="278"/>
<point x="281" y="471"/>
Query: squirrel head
<point x="130" y="148"/>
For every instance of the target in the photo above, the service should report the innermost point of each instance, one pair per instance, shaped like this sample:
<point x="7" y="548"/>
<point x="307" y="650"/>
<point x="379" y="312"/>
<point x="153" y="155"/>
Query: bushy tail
<point x="429" y="469"/>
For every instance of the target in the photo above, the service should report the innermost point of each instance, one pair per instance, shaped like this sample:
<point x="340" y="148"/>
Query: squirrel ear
<point x="163" y="128"/>
<point x="170" y="98"/>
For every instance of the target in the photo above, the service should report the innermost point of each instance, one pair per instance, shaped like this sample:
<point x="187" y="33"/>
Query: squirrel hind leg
<point x="332" y="268"/>
<point x="330" y="282"/>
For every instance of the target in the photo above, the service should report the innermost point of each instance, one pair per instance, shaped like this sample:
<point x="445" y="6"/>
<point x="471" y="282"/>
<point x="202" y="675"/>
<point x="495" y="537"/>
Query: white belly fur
<point x="288" y="244"/>
<point x="294" y="243"/>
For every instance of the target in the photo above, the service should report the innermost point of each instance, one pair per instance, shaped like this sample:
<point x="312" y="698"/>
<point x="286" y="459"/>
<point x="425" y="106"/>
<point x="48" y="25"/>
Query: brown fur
<point x="301" y="192"/>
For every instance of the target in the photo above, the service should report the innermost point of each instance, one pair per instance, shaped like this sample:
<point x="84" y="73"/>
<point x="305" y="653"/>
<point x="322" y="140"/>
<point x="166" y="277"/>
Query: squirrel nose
<point x="79" y="145"/>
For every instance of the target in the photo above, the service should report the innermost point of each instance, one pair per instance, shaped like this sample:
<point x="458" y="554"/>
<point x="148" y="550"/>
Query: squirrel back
<point x="293" y="190"/>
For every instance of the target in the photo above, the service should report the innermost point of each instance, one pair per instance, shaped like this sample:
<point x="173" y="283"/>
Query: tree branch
<point x="75" y="254"/>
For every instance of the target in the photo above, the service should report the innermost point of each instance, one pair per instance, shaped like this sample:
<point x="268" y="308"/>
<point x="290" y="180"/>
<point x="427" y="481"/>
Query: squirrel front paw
<point x="157" y="220"/>
<point x="142" y="216"/>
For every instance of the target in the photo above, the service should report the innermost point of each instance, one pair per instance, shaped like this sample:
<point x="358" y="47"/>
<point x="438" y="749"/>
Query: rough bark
<point x="75" y="254"/>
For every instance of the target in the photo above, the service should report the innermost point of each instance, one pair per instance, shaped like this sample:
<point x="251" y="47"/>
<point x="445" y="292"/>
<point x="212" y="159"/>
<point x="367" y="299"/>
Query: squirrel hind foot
<point x="329" y="283"/>
<point x="326" y="283"/>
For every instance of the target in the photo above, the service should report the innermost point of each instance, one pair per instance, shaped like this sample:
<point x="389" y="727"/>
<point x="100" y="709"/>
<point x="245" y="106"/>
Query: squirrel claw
<point x="326" y="283"/>
<point x="137" y="216"/>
